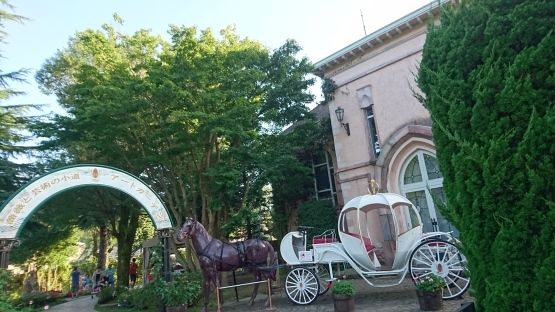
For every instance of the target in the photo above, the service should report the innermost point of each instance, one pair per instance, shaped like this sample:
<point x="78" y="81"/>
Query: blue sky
<point x="321" y="27"/>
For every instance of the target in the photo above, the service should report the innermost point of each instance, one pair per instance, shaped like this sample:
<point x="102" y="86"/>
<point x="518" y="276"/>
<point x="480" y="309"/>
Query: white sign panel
<point x="18" y="208"/>
<point x="305" y="256"/>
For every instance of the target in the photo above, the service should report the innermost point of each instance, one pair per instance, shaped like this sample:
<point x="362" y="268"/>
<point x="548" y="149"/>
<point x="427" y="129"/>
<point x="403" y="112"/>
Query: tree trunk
<point x="125" y="235"/>
<point x="102" y="246"/>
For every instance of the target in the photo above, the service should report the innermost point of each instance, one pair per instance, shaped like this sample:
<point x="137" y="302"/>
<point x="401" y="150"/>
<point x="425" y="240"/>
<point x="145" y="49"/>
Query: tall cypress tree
<point x="488" y="78"/>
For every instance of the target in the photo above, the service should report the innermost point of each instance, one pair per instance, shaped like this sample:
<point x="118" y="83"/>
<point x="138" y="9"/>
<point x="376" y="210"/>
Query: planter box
<point x="430" y="300"/>
<point x="343" y="303"/>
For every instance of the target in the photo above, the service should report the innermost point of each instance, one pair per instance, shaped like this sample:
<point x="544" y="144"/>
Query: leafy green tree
<point x="288" y="168"/>
<point x="489" y="83"/>
<point x="321" y="215"/>
<point x="190" y="117"/>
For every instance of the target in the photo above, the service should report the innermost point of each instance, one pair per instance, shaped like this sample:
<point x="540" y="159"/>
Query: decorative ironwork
<point x="5" y="248"/>
<point x="7" y="244"/>
<point x="165" y="235"/>
<point x="165" y="232"/>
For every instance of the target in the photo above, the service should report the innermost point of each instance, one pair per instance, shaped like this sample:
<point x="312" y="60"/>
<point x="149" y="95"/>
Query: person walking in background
<point x="133" y="267"/>
<point x="97" y="277"/>
<point x="75" y="283"/>
<point x="110" y="274"/>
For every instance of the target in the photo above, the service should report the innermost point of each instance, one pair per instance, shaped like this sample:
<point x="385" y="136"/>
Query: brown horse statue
<point x="216" y="256"/>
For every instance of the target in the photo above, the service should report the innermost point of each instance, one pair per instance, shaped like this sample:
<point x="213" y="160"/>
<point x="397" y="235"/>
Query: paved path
<point x="81" y="304"/>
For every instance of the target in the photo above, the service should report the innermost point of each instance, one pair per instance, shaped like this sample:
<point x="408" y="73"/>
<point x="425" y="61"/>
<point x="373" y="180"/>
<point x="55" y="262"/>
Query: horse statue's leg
<point x="206" y="285"/>
<point x="217" y="283"/>
<point x="255" y="291"/>
<point x="266" y="275"/>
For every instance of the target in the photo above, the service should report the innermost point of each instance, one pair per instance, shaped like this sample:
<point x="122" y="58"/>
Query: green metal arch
<point x="16" y="210"/>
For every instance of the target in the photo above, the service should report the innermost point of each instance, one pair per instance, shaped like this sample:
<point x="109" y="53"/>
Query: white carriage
<point x="380" y="236"/>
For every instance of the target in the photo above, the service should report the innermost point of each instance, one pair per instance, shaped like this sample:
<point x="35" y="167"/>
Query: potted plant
<point x="429" y="290"/>
<point x="343" y="296"/>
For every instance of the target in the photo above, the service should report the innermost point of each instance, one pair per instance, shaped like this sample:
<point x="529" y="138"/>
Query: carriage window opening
<point x="388" y="232"/>
<point x="406" y="218"/>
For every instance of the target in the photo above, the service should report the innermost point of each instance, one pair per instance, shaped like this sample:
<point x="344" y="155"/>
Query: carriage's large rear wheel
<point x="444" y="260"/>
<point x="324" y="277"/>
<point x="302" y="286"/>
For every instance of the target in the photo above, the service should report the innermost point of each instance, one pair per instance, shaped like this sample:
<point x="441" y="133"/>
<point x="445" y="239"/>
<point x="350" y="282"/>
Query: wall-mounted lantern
<point x="340" y="113"/>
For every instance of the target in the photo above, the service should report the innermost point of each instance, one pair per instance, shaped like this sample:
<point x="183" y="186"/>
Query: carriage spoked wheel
<point x="323" y="273"/>
<point x="302" y="286"/>
<point x="444" y="260"/>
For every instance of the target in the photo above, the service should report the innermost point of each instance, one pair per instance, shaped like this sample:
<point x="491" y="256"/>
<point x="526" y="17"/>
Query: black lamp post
<point x="340" y="113"/>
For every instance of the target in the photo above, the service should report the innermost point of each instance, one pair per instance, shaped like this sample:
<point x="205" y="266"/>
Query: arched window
<point x="422" y="184"/>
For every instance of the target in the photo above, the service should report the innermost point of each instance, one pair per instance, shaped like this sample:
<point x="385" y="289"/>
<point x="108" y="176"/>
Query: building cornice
<point x="378" y="38"/>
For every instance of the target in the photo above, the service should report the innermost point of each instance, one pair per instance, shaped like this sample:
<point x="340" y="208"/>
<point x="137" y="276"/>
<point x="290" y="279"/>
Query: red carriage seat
<point x="323" y="240"/>
<point x="367" y="243"/>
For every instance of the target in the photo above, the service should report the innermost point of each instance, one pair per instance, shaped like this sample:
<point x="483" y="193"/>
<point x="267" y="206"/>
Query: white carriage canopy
<point x="377" y="230"/>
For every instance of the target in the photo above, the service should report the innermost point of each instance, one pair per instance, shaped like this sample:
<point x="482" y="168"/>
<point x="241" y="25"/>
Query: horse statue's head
<point x="187" y="229"/>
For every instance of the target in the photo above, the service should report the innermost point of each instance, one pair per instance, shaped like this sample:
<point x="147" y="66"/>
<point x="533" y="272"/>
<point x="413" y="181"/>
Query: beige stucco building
<point x="386" y="133"/>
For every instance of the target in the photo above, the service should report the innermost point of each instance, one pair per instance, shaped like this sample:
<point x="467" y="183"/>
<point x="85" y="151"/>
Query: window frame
<point x="374" y="139"/>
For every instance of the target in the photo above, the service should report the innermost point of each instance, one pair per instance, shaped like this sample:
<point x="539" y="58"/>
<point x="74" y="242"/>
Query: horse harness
<point x="241" y="250"/>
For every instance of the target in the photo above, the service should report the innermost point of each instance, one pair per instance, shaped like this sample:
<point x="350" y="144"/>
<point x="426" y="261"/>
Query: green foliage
<point x="5" y="304"/>
<point x="343" y="288"/>
<point x="328" y="87"/>
<point x="488" y="78"/>
<point x="107" y="294"/>
<point x="429" y="282"/>
<point x="14" y="120"/>
<point x="144" y="297"/>
<point x="319" y="214"/>
<point x="193" y="117"/>
<point x="35" y="301"/>
<point x="124" y="299"/>
<point x="184" y="289"/>
<point x="248" y="223"/>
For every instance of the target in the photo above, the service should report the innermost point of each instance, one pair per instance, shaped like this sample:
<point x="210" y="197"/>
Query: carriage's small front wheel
<point x="302" y="286"/>
<point x="444" y="260"/>
<point x="324" y="277"/>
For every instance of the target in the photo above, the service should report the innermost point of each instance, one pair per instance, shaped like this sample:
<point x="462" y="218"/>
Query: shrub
<point x="35" y="300"/>
<point x="319" y="214"/>
<point x="144" y="297"/>
<point x="124" y="299"/>
<point x="107" y="294"/>
<point x="183" y="290"/>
